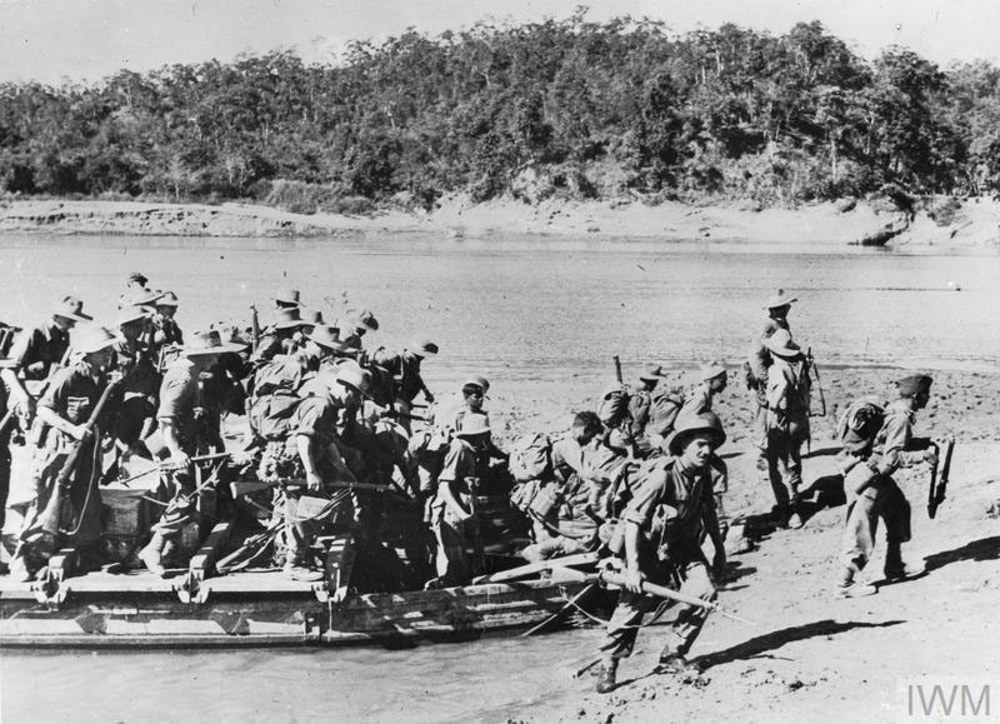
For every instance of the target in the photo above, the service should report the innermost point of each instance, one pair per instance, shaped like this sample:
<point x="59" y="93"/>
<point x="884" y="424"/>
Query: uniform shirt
<point x="407" y="370"/>
<point x="567" y="457"/>
<point x="179" y="398"/>
<point x="697" y="402"/>
<point x="670" y="504"/>
<point x="788" y="388"/>
<point x="73" y="394"/>
<point x="139" y="375"/>
<point x="889" y="452"/>
<point x="36" y="350"/>
<point x="639" y="403"/>
<point x="315" y="417"/>
<point x="760" y="355"/>
<point x="460" y="462"/>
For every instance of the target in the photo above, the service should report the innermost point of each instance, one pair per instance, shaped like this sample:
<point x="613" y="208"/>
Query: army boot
<point x="607" y="676"/>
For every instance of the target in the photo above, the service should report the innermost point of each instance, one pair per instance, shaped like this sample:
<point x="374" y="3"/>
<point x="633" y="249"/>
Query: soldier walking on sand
<point x="786" y="424"/>
<point x="755" y="369"/>
<point x="712" y="380"/>
<point x="663" y="526"/>
<point x="871" y="491"/>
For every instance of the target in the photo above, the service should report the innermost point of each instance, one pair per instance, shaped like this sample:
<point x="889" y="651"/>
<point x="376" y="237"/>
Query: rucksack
<point x="530" y="457"/>
<point x="270" y="416"/>
<point x="663" y="413"/>
<point x="860" y="424"/>
<point x="275" y="399"/>
<point x="613" y="406"/>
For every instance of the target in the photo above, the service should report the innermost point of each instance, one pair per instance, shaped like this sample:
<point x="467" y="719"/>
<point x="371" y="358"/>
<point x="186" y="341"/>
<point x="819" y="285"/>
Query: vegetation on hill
<point x="564" y="107"/>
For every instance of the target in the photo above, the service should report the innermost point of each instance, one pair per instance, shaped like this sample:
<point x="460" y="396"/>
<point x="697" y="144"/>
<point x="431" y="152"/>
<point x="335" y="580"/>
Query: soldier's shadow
<point x="759" y="645"/>
<point x="984" y="549"/>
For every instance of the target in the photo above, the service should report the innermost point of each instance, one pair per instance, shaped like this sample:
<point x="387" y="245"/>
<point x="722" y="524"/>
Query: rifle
<point x="50" y="516"/>
<point x="477" y="532"/>
<point x="819" y="385"/>
<point x="939" y="488"/>
<point x="254" y="329"/>
<point x="618" y="368"/>
<point x="609" y="576"/>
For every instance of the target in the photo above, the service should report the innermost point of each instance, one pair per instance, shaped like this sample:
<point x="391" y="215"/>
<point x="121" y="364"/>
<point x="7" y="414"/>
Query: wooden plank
<point x="202" y="563"/>
<point x="578" y="559"/>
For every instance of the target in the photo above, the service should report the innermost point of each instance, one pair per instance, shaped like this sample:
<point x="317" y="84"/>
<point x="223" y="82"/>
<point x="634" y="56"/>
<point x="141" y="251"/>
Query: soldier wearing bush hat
<point x="712" y="379"/>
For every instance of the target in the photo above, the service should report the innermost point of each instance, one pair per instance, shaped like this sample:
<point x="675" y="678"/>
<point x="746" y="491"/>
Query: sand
<point x="810" y="656"/>
<point x="976" y="224"/>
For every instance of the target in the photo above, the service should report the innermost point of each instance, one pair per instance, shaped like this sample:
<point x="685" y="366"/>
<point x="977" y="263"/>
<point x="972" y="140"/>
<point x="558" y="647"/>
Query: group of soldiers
<point x="335" y="429"/>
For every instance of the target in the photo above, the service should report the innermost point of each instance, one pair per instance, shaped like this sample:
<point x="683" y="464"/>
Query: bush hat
<point x="71" y="308"/>
<point x="913" y="385"/>
<point x="289" y="317"/>
<point x="780" y="299"/>
<point x="651" y="373"/>
<point x="210" y="342"/>
<point x="424" y="348"/>
<point x="288" y="296"/>
<point x="711" y="370"/>
<point x="93" y="338"/>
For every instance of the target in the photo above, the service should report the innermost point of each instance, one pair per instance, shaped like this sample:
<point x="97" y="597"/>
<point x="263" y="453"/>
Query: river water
<point x="537" y="316"/>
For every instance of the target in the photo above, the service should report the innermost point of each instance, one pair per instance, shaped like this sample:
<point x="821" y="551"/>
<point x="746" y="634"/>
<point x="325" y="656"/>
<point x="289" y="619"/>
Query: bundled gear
<point x="531" y="457"/>
<point x="859" y="425"/>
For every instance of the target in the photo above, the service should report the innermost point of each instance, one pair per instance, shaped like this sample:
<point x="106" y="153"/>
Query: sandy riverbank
<point x="810" y="656"/>
<point x="976" y="224"/>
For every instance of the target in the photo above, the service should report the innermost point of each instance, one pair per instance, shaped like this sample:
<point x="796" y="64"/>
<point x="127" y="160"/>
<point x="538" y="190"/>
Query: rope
<point x="92" y="483"/>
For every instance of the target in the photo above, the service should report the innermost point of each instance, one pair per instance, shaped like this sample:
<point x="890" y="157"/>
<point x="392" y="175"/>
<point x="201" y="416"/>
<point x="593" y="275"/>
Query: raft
<point x="138" y="609"/>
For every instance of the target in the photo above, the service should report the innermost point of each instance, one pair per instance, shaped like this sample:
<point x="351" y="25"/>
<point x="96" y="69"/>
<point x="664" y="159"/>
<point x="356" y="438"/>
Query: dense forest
<point x="564" y="107"/>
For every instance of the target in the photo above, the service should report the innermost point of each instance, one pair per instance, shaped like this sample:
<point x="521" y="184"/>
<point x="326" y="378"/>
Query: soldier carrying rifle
<point x="869" y="462"/>
<point x="68" y="456"/>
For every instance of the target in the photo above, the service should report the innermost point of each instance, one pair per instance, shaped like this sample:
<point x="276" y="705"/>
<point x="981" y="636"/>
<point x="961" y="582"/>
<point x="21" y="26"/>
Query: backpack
<point x="530" y="457"/>
<point x="859" y="425"/>
<point x="613" y="406"/>
<point x="663" y="413"/>
<point x="274" y="399"/>
<point x="270" y="416"/>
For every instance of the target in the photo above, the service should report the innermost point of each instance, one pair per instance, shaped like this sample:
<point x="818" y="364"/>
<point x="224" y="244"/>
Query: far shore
<point x="975" y="224"/>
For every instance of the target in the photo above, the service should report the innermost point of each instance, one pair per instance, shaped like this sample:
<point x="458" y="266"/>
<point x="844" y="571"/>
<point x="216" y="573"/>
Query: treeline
<point x="593" y="110"/>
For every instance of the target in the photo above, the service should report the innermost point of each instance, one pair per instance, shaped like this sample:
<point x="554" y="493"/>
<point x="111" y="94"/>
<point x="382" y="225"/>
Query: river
<point x="539" y="317"/>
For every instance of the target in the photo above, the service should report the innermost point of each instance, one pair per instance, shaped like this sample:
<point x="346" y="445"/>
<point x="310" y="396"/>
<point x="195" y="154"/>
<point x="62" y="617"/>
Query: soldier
<point x="315" y="443"/>
<point x="63" y="413"/>
<point x="405" y="367"/>
<point x="354" y="326"/>
<point x="872" y="493"/>
<point x="165" y="329"/>
<point x="662" y="542"/>
<point x="640" y="403"/>
<point x="451" y="510"/>
<point x="285" y="336"/>
<point x="182" y="424"/>
<point x="712" y="380"/>
<point x="564" y="511"/>
<point x="786" y="424"/>
<point x="140" y="377"/>
<point x="777" y="306"/>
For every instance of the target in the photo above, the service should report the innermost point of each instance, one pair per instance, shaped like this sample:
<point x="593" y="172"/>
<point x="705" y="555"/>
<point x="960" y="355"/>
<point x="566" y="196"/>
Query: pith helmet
<point x="473" y="424"/>
<point x="780" y="299"/>
<point x="353" y="377"/>
<point x="913" y="385"/>
<point x="689" y="425"/>
<point x="93" y="338"/>
<point x="781" y="344"/>
<point x="71" y="308"/>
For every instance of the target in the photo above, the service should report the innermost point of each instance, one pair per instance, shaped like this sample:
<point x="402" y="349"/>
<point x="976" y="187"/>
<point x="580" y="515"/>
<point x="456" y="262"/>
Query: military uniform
<point x="671" y="509"/>
<point x="786" y="428"/>
<point x="894" y="448"/>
